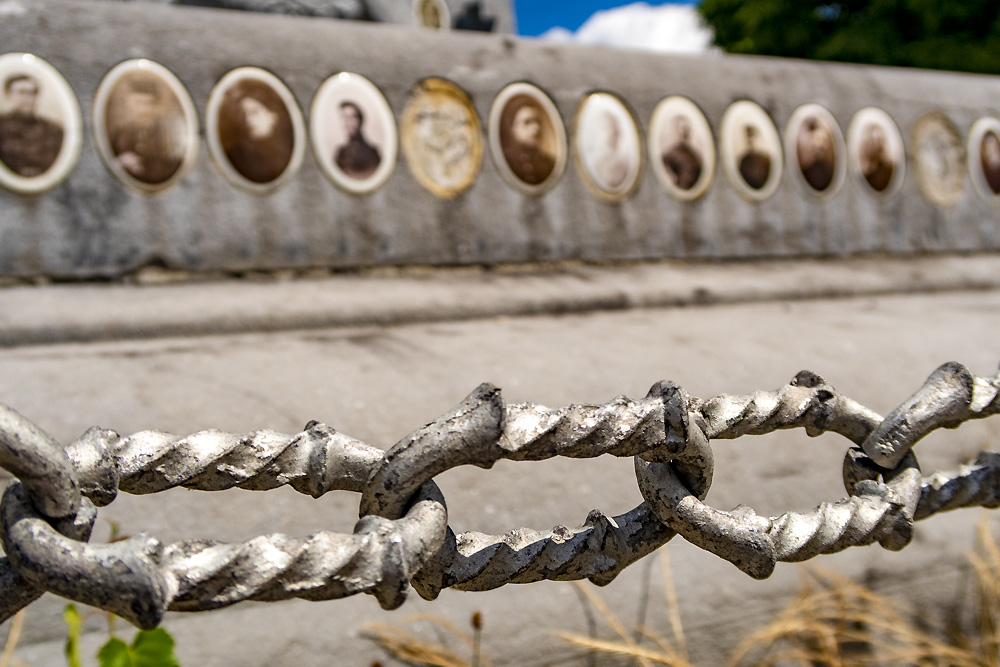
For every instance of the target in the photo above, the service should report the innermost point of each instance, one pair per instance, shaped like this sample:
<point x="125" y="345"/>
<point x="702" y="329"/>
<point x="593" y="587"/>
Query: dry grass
<point x="832" y="622"/>
<point x="409" y="649"/>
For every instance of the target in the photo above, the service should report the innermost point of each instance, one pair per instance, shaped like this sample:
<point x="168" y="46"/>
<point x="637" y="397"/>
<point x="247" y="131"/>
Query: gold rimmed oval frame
<point x="41" y="127"/>
<point x="254" y="130"/>
<point x="432" y="14"/>
<point x="145" y="125"/>
<point x="353" y="133"/>
<point x="938" y="158"/>
<point x="442" y="137"/>
<point x="607" y="147"/>
<point x="681" y="148"/>
<point x="527" y="138"/>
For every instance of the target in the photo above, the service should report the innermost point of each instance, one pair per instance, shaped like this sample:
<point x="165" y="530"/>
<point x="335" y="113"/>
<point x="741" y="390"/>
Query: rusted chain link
<point x="403" y="537"/>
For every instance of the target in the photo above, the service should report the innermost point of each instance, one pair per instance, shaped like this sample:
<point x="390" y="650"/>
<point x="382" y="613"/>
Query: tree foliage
<point x="936" y="34"/>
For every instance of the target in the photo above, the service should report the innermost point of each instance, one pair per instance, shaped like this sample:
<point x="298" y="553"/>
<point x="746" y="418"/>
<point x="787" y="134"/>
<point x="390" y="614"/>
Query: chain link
<point x="403" y="537"/>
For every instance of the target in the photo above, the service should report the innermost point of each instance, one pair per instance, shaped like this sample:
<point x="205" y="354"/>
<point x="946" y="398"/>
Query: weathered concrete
<point x="159" y="307"/>
<point x="379" y="383"/>
<point x="91" y="225"/>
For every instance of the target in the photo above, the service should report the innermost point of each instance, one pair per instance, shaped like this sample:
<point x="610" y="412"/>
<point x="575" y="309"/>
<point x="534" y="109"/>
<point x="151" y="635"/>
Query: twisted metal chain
<point x="403" y="538"/>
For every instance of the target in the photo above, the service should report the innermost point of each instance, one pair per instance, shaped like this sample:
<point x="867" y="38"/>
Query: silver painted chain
<point x="403" y="538"/>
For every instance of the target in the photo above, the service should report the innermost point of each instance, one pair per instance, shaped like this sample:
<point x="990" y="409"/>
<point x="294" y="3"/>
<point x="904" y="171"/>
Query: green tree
<point x="961" y="35"/>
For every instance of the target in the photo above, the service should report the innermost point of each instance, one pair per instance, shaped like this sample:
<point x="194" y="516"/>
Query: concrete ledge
<point x="89" y="312"/>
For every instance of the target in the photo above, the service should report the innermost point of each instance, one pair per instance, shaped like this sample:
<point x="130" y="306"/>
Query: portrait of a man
<point x="875" y="152"/>
<point x="681" y="160"/>
<point x="145" y="126"/>
<point x="41" y="127"/>
<point x="356" y="157"/>
<point x="353" y="132"/>
<point x="751" y="150"/>
<point x="607" y="145"/>
<point x="29" y="143"/>
<point x="755" y="164"/>
<point x="255" y="130"/>
<point x="816" y="153"/>
<point x="815" y="145"/>
<point x="441" y="137"/>
<point x="989" y="160"/>
<point x="523" y="128"/>
<point x="527" y="138"/>
<point x="876" y="165"/>
<point x="681" y="147"/>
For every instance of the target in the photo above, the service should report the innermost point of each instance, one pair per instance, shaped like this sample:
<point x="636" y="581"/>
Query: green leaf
<point x="72" y="618"/>
<point x="150" y="648"/>
<point x="153" y="648"/>
<point x="115" y="654"/>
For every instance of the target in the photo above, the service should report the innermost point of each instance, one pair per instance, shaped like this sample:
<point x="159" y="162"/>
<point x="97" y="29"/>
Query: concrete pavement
<point x="376" y="376"/>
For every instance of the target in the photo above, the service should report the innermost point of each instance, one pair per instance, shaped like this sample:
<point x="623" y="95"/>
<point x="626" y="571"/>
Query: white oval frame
<point x="331" y="91"/>
<point x="973" y="152"/>
<point x="215" y="149"/>
<point x="669" y="107"/>
<point x="894" y="143"/>
<point x="191" y="123"/>
<point x="622" y="111"/>
<point x="559" y="130"/>
<point x="69" y="106"/>
<point x="769" y="131"/>
<point x="839" y="146"/>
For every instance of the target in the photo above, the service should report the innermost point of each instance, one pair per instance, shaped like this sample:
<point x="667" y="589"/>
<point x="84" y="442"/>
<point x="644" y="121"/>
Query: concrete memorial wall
<point x="136" y="134"/>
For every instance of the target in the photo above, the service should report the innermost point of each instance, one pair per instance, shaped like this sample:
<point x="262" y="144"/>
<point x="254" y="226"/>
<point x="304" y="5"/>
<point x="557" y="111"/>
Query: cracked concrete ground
<point x="380" y="382"/>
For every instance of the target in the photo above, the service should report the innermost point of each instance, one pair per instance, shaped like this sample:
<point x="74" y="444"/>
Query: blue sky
<point x="536" y="16"/>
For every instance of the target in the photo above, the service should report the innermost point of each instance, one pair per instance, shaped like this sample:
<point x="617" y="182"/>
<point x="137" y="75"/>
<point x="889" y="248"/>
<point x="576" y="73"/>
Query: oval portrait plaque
<point x="815" y="151"/>
<point x="527" y="138"/>
<point x="353" y="133"/>
<point x="442" y="137"/>
<point x="255" y="130"/>
<point x="145" y="124"/>
<point x="681" y="148"/>
<point x="751" y="150"/>
<point x="875" y="152"/>
<point x="608" y="148"/>
<point x="41" y="129"/>
<point x="984" y="157"/>
<point x="938" y="158"/>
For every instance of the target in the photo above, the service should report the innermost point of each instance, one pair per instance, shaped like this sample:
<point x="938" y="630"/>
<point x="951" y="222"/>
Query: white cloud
<point x="665" y="28"/>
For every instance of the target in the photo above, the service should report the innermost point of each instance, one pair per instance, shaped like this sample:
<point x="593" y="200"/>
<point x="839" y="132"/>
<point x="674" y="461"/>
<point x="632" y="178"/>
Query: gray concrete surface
<point x="379" y="382"/>
<point x="93" y="226"/>
<point x="159" y="304"/>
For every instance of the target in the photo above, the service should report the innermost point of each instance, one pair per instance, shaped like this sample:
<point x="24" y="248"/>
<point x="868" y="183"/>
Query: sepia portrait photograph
<point x="750" y="150"/>
<point x="41" y="129"/>
<point x="984" y="157"/>
<point x="254" y="129"/>
<point x="146" y="125"/>
<point x="681" y="148"/>
<point x="353" y="133"/>
<point x="608" y="146"/>
<point x="433" y="14"/>
<point x="938" y="158"/>
<point x="442" y="137"/>
<point x="815" y="149"/>
<point x="527" y="138"/>
<point x="875" y="150"/>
